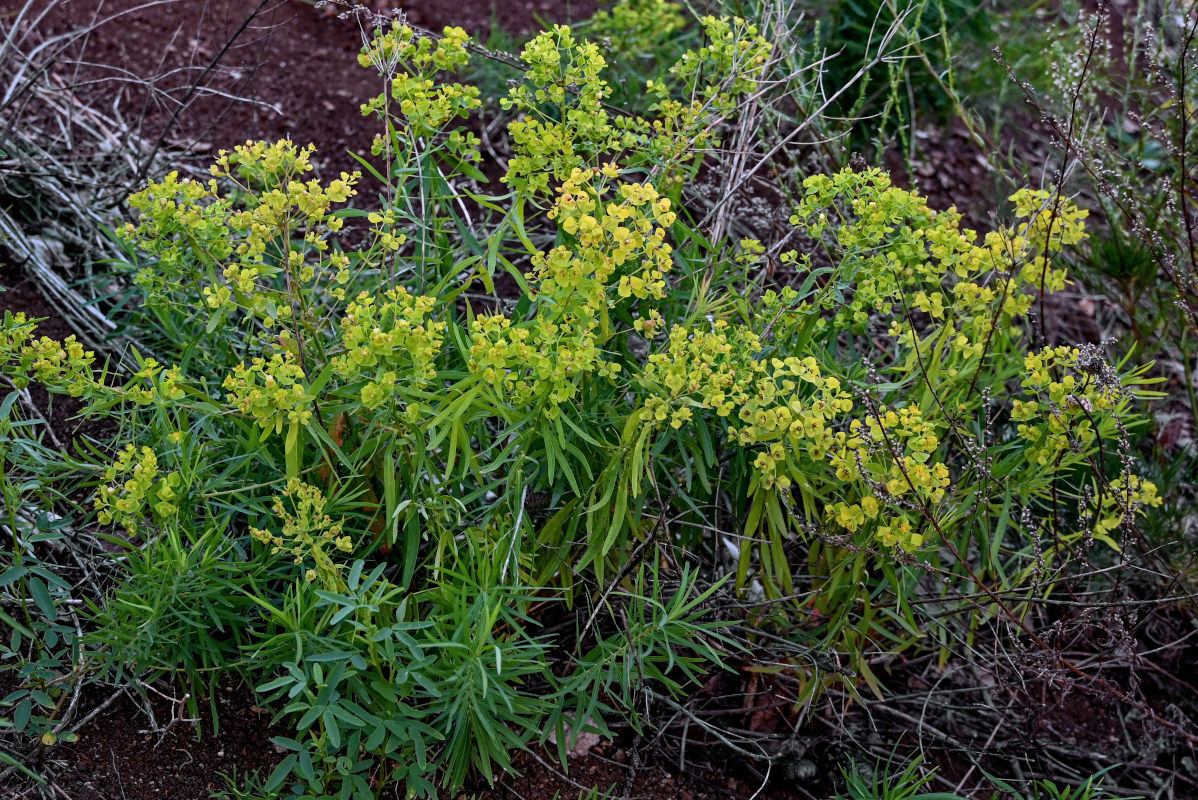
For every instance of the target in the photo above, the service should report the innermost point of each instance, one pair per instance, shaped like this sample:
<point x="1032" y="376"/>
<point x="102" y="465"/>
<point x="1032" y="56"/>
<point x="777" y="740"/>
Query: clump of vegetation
<point x="370" y="455"/>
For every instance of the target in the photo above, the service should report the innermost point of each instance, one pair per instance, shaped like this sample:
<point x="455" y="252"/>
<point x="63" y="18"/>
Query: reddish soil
<point x="119" y="755"/>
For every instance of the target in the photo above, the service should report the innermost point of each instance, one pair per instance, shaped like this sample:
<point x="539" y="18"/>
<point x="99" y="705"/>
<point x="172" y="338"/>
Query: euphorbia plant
<point x="342" y="394"/>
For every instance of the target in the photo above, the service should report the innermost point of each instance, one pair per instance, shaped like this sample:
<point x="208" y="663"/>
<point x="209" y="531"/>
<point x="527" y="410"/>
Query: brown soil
<point x="120" y="755"/>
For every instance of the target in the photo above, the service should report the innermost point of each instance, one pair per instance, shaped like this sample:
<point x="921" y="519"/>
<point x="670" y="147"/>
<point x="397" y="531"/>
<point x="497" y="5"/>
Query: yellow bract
<point x="271" y="391"/>
<point x="136" y="489"/>
<point x="306" y="531"/>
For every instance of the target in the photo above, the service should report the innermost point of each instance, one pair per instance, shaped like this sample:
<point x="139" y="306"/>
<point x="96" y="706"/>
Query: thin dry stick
<point x="882" y="55"/>
<point x="191" y="92"/>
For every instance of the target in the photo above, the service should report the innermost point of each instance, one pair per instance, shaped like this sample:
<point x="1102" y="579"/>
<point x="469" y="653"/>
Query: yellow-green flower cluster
<point x="870" y="212"/>
<point x="182" y="225"/>
<point x="784" y="404"/>
<point x="272" y="391"/>
<point x="712" y="369"/>
<point x="891" y="455"/>
<point x="266" y="231"/>
<point x="1052" y="223"/>
<point x="399" y="43"/>
<point x="749" y="251"/>
<point x="701" y="91"/>
<point x="411" y="63"/>
<point x="135" y="488"/>
<point x="297" y="207"/>
<point x="389" y="341"/>
<point x="852" y="516"/>
<point x="626" y="236"/>
<point x="899" y="533"/>
<point x="152" y="384"/>
<point x="791" y="410"/>
<point x="892" y="528"/>
<point x="263" y="165"/>
<point x="63" y="366"/>
<point x="1063" y="405"/>
<point x="1127" y="499"/>
<point x="734" y="51"/>
<point x="66" y="366"/>
<point x="538" y="362"/>
<point x="278" y="226"/>
<point x="306" y="532"/>
<point x="922" y="277"/>
<point x="634" y="28"/>
<point x="545" y="359"/>
<point x="565" y="74"/>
